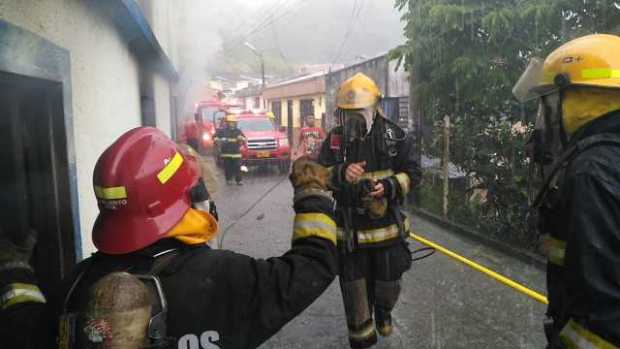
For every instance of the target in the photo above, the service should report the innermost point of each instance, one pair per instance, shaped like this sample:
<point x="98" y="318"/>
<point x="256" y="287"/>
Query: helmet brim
<point x="121" y="232"/>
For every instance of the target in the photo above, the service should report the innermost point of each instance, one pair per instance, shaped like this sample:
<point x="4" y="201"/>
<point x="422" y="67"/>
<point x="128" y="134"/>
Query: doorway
<point x="289" y="115"/>
<point x="35" y="190"/>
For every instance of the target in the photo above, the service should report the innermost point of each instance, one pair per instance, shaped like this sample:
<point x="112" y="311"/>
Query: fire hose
<point x="484" y="270"/>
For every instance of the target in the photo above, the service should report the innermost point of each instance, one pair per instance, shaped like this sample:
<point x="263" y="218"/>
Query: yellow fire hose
<point x="500" y="278"/>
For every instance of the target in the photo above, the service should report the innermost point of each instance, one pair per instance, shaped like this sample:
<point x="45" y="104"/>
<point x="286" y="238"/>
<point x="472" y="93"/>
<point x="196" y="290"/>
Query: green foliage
<point x="465" y="56"/>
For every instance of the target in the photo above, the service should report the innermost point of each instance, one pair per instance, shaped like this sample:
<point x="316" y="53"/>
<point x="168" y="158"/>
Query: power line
<point x="276" y="40"/>
<point x="293" y="7"/>
<point x="270" y="19"/>
<point x="268" y="12"/>
<point x="347" y="34"/>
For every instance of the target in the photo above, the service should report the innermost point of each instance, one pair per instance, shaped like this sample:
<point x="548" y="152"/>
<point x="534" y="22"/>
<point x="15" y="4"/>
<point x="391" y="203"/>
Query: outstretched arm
<point x="279" y="288"/>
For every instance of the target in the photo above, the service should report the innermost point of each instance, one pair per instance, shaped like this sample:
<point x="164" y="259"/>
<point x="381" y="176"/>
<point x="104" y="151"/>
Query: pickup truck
<point x="266" y="144"/>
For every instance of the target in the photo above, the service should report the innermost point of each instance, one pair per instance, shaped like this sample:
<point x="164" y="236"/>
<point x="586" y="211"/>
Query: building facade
<point x="251" y="98"/>
<point x="292" y="100"/>
<point x="393" y="82"/>
<point x="74" y="75"/>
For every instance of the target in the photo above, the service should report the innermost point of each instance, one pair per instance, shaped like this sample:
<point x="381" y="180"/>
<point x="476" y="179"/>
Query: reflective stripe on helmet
<point x="373" y="236"/>
<point x="110" y="193"/>
<point x="314" y="225"/>
<point x="170" y="169"/>
<point x="600" y="73"/>
<point x="575" y="336"/>
<point x="554" y="250"/>
<point x="18" y="293"/>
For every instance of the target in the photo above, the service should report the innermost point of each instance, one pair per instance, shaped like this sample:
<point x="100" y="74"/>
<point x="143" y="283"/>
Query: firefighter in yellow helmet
<point x="229" y="140"/>
<point x="373" y="168"/>
<point x="577" y="143"/>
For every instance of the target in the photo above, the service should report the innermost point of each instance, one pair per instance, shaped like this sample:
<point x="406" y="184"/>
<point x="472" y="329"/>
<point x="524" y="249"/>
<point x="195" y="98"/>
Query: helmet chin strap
<point x="201" y="199"/>
<point x="204" y="206"/>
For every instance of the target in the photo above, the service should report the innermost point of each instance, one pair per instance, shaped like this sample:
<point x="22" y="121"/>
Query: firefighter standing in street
<point x="155" y="218"/>
<point x="577" y="143"/>
<point x="230" y="139"/>
<point x="372" y="167"/>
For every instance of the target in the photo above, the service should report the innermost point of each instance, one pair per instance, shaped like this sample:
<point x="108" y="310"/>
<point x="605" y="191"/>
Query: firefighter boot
<point x="386" y="295"/>
<point x="383" y="320"/>
<point x="359" y="321"/>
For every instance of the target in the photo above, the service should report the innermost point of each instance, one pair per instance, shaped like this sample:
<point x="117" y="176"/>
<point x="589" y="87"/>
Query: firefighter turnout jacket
<point x="579" y="219"/>
<point x="24" y="318"/>
<point x="390" y="158"/>
<point x="222" y="299"/>
<point x="230" y="141"/>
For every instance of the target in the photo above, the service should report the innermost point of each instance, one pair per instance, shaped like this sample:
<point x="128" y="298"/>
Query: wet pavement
<point x="444" y="304"/>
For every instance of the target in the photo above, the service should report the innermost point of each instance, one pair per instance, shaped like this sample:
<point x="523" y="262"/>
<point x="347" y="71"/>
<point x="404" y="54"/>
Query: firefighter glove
<point x="14" y="250"/>
<point x="309" y="179"/>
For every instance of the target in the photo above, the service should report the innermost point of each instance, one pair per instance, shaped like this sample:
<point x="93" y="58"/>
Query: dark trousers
<point x="232" y="169"/>
<point x="370" y="285"/>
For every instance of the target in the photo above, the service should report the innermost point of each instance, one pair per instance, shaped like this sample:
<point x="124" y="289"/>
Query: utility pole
<point x="262" y="60"/>
<point x="446" y="164"/>
<point x="262" y="70"/>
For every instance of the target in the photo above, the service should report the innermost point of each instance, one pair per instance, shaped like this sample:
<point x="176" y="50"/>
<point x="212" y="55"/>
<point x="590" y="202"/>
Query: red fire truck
<point x="198" y="131"/>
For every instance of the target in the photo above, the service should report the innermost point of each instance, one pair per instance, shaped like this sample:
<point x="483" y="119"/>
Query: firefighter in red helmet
<point x="155" y="220"/>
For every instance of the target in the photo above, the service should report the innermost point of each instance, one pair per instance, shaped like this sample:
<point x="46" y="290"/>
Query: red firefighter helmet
<point x="142" y="183"/>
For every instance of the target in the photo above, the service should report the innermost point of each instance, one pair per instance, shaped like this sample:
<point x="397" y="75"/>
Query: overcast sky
<point x="302" y="31"/>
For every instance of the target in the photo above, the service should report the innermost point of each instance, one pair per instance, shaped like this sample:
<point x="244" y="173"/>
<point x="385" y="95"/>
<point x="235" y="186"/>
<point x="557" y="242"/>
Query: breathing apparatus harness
<point x="351" y="195"/>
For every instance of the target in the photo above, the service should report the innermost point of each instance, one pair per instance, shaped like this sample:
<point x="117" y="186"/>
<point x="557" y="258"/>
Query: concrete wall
<point x="248" y="103"/>
<point x="392" y="83"/>
<point x="163" y="112"/>
<point x="104" y="77"/>
<point x="159" y="15"/>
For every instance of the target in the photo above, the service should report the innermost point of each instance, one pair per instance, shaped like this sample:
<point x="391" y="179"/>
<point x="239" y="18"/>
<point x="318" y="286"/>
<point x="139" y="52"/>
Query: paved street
<point x="444" y="304"/>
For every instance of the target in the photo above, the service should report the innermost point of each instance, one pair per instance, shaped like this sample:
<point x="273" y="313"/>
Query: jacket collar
<point x="609" y="123"/>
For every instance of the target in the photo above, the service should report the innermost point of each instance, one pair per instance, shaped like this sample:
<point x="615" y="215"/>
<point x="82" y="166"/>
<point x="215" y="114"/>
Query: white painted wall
<point x="161" y="89"/>
<point x="104" y="78"/>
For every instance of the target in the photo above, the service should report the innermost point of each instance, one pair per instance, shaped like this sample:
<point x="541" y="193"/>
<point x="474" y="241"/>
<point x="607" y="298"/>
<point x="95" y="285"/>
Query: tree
<point x="465" y="56"/>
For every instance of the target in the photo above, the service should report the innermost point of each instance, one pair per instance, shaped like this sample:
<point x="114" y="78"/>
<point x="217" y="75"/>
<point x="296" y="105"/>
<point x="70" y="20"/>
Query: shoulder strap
<point x="570" y="154"/>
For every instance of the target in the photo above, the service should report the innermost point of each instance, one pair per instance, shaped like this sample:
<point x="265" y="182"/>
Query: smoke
<point x="288" y="32"/>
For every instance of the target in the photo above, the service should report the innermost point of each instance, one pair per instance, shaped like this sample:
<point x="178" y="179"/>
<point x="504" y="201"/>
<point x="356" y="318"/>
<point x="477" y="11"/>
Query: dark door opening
<point x="34" y="193"/>
<point x="276" y="108"/>
<point x="289" y="125"/>
<point x="306" y="108"/>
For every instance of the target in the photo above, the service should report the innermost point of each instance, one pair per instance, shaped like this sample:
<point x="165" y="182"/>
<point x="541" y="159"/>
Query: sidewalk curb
<point x="517" y="253"/>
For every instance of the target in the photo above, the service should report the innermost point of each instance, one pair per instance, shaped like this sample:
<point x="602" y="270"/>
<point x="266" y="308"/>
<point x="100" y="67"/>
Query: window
<point x="306" y="107"/>
<point x="276" y="109"/>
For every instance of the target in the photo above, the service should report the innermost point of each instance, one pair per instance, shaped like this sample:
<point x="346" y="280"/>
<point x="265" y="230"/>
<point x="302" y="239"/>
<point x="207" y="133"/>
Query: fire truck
<point x="198" y="132"/>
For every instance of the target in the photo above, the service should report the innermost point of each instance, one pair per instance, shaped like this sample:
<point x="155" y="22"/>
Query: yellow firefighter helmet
<point x="358" y="92"/>
<point x="270" y="115"/>
<point x="230" y="118"/>
<point x="590" y="66"/>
